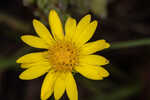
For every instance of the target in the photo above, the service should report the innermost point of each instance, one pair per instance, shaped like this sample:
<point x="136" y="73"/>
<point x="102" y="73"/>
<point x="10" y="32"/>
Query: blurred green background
<point x="123" y="23"/>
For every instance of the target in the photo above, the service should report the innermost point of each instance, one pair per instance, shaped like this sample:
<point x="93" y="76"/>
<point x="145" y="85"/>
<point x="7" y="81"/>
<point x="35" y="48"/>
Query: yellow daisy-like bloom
<point x="64" y="54"/>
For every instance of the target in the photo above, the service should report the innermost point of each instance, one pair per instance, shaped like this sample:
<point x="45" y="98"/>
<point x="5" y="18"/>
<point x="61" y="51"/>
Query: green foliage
<point x="99" y="7"/>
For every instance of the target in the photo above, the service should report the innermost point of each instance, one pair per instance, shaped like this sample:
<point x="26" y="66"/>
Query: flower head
<point x="64" y="54"/>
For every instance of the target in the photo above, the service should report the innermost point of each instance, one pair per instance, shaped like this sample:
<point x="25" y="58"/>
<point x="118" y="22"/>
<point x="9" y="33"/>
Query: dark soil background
<point x="123" y="23"/>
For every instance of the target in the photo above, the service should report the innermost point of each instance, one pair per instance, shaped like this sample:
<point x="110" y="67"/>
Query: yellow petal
<point x="33" y="72"/>
<point x="82" y="25"/>
<point x="34" y="64"/>
<point x="71" y="87"/>
<point x="93" y="60"/>
<point x="48" y="84"/>
<point x="35" y="41"/>
<point x="92" y="72"/>
<point x="70" y="28"/>
<point x="93" y="47"/>
<point x="33" y="57"/>
<point x="86" y="34"/>
<point x="56" y="25"/>
<point x="42" y="31"/>
<point x="59" y="87"/>
<point x="85" y="20"/>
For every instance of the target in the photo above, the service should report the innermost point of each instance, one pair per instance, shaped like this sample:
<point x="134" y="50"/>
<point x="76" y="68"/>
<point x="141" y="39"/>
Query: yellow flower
<point x="64" y="54"/>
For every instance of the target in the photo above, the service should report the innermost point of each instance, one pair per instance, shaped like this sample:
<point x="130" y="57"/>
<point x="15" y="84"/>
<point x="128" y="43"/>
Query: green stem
<point x="131" y="43"/>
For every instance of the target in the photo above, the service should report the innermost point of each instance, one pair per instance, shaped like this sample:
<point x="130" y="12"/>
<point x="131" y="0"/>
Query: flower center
<point x="63" y="56"/>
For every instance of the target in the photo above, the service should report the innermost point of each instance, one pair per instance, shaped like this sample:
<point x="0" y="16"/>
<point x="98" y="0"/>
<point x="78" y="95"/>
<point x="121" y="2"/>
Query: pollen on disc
<point x="63" y="56"/>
